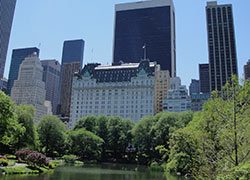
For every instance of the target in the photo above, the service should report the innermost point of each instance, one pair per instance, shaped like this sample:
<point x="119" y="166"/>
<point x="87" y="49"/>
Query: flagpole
<point x="145" y="51"/>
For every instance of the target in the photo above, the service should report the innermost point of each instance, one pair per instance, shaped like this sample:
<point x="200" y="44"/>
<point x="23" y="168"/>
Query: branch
<point x="243" y="159"/>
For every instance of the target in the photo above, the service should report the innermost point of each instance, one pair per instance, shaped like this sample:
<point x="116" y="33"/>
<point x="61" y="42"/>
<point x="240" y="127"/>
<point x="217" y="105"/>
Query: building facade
<point x="198" y="100"/>
<point x="3" y="85"/>
<point x="72" y="60"/>
<point x="204" y="78"/>
<point x="18" y="56"/>
<point x="29" y="87"/>
<point x="194" y="87"/>
<point x="177" y="99"/>
<point x="247" y="70"/>
<point x="162" y="81"/>
<point x="125" y="90"/>
<point x="146" y="30"/>
<point x="7" y="9"/>
<point x="51" y="77"/>
<point x="221" y="44"/>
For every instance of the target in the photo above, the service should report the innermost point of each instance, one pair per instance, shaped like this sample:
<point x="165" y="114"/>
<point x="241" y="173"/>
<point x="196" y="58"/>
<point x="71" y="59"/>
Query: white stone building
<point x="29" y="88"/>
<point x="125" y="90"/>
<point x="177" y="98"/>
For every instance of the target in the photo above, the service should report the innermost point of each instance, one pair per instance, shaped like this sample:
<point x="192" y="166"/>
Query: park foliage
<point x="213" y="143"/>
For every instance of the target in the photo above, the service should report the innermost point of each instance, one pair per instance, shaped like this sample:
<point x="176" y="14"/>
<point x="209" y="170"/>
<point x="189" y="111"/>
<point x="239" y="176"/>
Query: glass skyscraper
<point x="204" y="78"/>
<point x="221" y="44"/>
<point x="146" y="29"/>
<point x="7" y="9"/>
<point x="18" y="56"/>
<point x="72" y="60"/>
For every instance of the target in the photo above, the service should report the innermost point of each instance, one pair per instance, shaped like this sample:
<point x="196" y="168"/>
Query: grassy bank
<point x="25" y="169"/>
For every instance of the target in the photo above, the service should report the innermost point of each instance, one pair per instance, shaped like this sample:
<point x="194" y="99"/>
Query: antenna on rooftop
<point x="39" y="45"/>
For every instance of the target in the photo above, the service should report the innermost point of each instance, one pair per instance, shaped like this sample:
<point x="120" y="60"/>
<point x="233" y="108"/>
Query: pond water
<point x="96" y="172"/>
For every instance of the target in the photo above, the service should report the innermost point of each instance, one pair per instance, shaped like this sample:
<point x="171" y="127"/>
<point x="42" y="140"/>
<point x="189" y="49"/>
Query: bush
<point x="154" y="166"/>
<point x="23" y="154"/>
<point x="241" y="172"/>
<point x="69" y="159"/>
<point x="54" y="163"/>
<point x="9" y="156"/>
<point x="37" y="159"/>
<point x="3" y="162"/>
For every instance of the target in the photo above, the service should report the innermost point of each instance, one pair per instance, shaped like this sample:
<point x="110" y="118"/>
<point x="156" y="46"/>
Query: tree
<point x="102" y="132"/>
<point x="152" y="134"/>
<point x="85" y="144"/>
<point x="119" y="136"/>
<point x="10" y="129"/>
<point x="52" y="135"/>
<point x="89" y="123"/>
<point x="221" y="132"/>
<point x="143" y="139"/>
<point x="25" y="117"/>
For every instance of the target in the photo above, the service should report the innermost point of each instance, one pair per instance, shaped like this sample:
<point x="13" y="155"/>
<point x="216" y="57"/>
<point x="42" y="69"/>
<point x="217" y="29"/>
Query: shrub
<point x="3" y="162"/>
<point x="23" y="154"/>
<point x="9" y="156"/>
<point x="154" y="166"/>
<point x="69" y="158"/>
<point x="37" y="159"/>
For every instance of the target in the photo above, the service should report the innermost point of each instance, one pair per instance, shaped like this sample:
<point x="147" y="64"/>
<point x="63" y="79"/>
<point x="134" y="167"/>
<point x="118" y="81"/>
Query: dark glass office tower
<point x="221" y="44"/>
<point x="18" y="55"/>
<point x="7" y="9"/>
<point x="204" y="78"/>
<point x="146" y="27"/>
<point x="72" y="60"/>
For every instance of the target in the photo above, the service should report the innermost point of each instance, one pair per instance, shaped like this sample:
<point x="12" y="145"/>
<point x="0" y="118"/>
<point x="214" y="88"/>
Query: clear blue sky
<point x="50" y="22"/>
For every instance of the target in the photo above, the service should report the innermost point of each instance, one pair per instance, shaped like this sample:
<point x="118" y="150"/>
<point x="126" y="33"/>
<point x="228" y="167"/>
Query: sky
<point x="47" y="23"/>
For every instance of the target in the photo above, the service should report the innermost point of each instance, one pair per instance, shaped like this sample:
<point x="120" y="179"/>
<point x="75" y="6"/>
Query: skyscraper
<point x="51" y="77"/>
<point x="194" y="87"/>
<point x="18" y="56"/>
<point x="146" y="29"/>
<point x="72" y="60"/>
<point x="7" y="9"/>
<point x="221" y="44"/>
<point x="204" y="78"/>
<point x="247" y="70"/>
<point x="29" y="87"/>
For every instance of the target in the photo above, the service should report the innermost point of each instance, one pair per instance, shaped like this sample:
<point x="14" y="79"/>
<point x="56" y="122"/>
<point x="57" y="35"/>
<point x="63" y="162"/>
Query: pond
<point x="96" y="172"/>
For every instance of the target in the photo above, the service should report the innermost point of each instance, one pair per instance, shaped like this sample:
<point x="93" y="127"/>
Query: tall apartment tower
<point x="18" y="56"/>
<point x="29" y="87"/>
<point x="221" y="44"/>
<point x="72" y="60"/>
<point x="162" y="81"/>
<point x="204" y="78"/>
<point x="7" y="9"/>
<point x="146" y="30"/>
<point x="247" y="70"/>
<point x="51" y="77"/>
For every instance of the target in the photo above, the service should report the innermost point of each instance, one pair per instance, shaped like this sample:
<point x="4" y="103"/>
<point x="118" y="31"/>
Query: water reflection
<point x="96" y="172"/>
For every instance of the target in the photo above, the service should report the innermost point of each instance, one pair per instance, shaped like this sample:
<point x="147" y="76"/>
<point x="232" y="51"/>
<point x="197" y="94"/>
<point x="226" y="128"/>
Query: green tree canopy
<point x="85" y="144"/>
<point x="10" y="129"/>
<point x="220" y="134"/>
<point x="25" y="116"/>
<point x="52" y="135"/>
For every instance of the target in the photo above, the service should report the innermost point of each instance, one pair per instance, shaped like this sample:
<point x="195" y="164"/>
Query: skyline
<point x="50" y="29"/>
